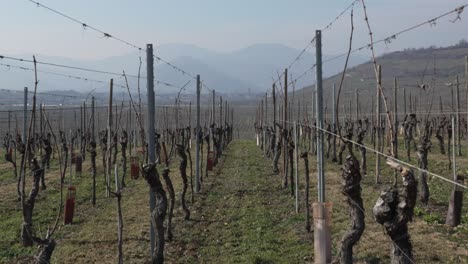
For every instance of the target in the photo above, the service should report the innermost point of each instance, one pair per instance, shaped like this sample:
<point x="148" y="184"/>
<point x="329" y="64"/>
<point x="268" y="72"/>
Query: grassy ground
<point x="242" y="215"/>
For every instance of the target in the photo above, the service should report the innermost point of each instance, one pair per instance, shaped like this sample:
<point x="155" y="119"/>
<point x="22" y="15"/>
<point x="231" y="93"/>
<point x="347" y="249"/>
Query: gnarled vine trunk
<point x="351" y="188"/>
<point x="393" y="210"/>
<point x="27" y="235"/>
<point x="45" y="159"/>
<point x="48" y="247"/>
<point x="361" y="133"/>
<point x="159" y="213"/>
<point x="304" y="156"/>
<point x="93" y="169"/>
<point x="123" y="145"/>
<point x="291" y="166"/>
<point x="170" y="189"/>
<point x="183" y="173"/>
<point x="422" y="150"/>
<point x="277" y="153"/>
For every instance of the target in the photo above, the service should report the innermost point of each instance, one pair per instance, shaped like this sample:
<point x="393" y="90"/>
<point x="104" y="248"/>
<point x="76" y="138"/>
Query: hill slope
<point x="411" y="68"/>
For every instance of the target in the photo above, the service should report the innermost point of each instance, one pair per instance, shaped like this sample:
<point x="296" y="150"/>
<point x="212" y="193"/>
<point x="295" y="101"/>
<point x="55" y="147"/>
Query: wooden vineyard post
<point x="9" y="122"/>
<point x="85" y="138"/>
<point x="410" y="105"/>
<point x="220" y="150"/>
<point x="274" y="112"/>
<point x="395" y="117"/>
<point x="93" y="151"/>
<point x="296" y="161"/>
<point x="25" y="114"/>
<point x="267" y="139"/>
<point x="266" y="109"/>
<point x="453" y="218"/>
<point x="262" y="137"/>
<point x="458" y="121"/>
<point x="373" y="126"/>
<point x="232" y="122"/>
<point x="404" y="101"/>
<point x="81" y="131"/>
<point x="157" y="195"/>
<point x="197" y="140"/>
<point x="357" y="105"/>
<point x="466" y="88"/>
<point x="213" y="121"/>
<point x="109" y="138"/>
<point x="335" y="122"/>
<point x="285" y="127"/>
<point x="226" y="116"/>
<point x="378" y="127"/>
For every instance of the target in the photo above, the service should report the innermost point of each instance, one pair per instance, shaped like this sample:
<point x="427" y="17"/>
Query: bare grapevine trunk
<point x="349" y="135"/>
<point x="291" y="165"/>
<point x="48" y="247"/>
<point x="329" y="140"/>
<point x="93" y="170"/>
<point x="28" y="205"/>
<point x="123" y="144"/>
<point x="272" y="143"/>
<point x="103" y="139"/>
<point x="183" y="173"/>
<point x="422" y="150"/>
<point x="159" y="213"/>
<point x="45" y="159"/>
<point x="440" y="135"/>
<point x="114" y="146"/>
<point x="191" y="174"/>
<point x="278" y="150"/>
<point x="393" y="210"/>
<point x="277" y="156"/>
<point x="285" y="158"/>
<point x="21" y="149"/>
<point x="351" y="188"/>
<point x="8" y="142"/>
<point x="207" y="141"/>
<point x="170" y="189"/>
<point x="304" y="156"/>
<point x="361" y="133"/>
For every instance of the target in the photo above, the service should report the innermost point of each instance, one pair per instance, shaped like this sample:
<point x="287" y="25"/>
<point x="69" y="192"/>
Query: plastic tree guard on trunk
<point x="134" y="168"/>
<point x="210" y="160"/>
<point x="78" y="163"/>
<point x="70" y="205"/>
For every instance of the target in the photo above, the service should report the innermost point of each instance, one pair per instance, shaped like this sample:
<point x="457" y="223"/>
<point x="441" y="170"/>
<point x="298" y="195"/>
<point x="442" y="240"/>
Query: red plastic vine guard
<point x="210" y="160"/>
<point x="134" y="168"/>
<point x="70" y="205"/>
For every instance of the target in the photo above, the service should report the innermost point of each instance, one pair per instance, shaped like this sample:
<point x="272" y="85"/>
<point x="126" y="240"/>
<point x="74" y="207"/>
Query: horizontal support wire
<point x="108" y="35"/>
<point x="382" y="154"/>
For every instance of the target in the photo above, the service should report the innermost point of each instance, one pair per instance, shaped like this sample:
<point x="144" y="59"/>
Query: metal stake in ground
<point x="378" y="127"/>
<point x="197" y="138"/>
<point x="109" y="139"/>
<point x="320" y="158"/>
<point x="321" y="246"/>
<point x="457" y="124"/>
<point x="25" y="113"/>
<point x="296" y="160"/>
<point x="334" y="123"/>
<point x="151" y="139"/>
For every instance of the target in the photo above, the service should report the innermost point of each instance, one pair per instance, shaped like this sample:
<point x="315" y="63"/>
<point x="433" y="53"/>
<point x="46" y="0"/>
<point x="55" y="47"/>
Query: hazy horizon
<point x="221" y="41"/>
<point x="238" y="24"/>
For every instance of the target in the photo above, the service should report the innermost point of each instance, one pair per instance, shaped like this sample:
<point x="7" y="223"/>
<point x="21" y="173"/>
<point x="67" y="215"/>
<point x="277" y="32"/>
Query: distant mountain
<point x="214" y="77"/>
<point x="247" y="70"/>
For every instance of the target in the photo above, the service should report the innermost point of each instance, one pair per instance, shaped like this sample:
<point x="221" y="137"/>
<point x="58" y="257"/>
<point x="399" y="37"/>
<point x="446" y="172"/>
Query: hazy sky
<point x="216" y="24"/>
